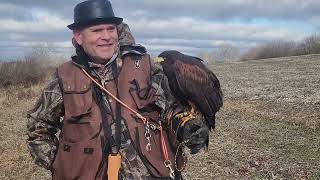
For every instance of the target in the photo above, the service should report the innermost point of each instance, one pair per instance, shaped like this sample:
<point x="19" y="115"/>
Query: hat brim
<point x="110" y="20"/>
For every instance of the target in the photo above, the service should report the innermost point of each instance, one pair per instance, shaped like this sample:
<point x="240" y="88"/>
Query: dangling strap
<point x="114" y="160"/>
<point x="117" y="118"/>
<point x="166" y="159"/>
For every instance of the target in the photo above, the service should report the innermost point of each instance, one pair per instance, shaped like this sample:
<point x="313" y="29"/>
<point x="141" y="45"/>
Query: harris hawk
<point x="192" y="83"/>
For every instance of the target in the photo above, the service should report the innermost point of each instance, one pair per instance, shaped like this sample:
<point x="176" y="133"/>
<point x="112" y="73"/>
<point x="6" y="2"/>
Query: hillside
<point x="269" y="127"/>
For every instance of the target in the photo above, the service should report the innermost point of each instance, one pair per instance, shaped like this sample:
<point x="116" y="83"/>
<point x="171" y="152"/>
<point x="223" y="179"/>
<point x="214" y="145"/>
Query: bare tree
<point x="207" y="57"/>
<point x="46" y="53"/>
<point x="310" y="45"/>
<point x="226" y="53"/>
<point x="270" y="50"/>
<point x="40" y="52"/>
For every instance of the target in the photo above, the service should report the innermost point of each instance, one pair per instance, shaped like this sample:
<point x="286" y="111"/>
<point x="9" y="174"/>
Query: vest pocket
<point x="78" y="132"/>
<point x="145" y="102"/>
<point x="77" y="160"/>
<point x="77" y="103"/>
<point x="79" y="123"/>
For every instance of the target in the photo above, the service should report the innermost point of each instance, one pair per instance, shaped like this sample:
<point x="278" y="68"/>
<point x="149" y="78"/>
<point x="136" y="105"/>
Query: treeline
<point x="309" y="45"/>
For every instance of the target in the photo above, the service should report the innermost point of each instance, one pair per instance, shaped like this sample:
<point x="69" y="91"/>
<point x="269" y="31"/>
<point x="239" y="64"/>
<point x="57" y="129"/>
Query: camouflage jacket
<point x="45" y="120"/>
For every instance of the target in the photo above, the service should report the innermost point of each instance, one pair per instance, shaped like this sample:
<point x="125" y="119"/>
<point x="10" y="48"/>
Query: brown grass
<point x="26" y="73"/>
<point x="15" y="160"/>
<point x="269" y="127"/>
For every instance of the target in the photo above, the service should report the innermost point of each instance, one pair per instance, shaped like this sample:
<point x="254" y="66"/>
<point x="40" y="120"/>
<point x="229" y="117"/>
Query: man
<point x="117" y="116"/>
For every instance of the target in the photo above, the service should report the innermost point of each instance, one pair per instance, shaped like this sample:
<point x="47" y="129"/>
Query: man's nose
<point x="105" y="35"/>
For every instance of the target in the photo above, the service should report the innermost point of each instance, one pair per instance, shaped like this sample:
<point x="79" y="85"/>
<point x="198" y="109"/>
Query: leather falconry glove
<point x="193" y="131"/>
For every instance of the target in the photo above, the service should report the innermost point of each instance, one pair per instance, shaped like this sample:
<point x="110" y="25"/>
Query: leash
<point x="166" y="159"/>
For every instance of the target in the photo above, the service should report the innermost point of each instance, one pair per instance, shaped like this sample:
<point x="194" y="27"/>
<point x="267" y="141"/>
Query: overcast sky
<point x="191" y="26"/>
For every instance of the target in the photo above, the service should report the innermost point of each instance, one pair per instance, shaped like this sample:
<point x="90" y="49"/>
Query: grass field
<point x="269" y="127"/>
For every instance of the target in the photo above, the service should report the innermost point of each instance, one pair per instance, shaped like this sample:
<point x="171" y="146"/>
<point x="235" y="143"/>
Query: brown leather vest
<point x="81" y="140"/>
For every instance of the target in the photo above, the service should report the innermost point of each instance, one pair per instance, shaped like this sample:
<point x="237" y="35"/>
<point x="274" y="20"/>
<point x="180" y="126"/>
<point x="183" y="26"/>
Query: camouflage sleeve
<point x="165" y="100"/>
<point x="43" y="122"/>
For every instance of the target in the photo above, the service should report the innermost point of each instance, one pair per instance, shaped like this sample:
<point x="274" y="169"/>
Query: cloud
<point x="12" y="11"/>
<point x="210" y="9"/>
<point x="190" y="29"/>
<point x="41" y="22"/>
<point x="190" y="26"/>
<point x="223" y="10"/>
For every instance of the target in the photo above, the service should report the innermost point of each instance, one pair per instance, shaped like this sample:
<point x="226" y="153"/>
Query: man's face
<point x="98" y="41"/>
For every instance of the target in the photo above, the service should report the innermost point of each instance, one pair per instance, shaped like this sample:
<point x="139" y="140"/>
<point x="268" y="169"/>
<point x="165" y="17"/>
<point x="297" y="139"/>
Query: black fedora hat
<point x="92" y="12"/>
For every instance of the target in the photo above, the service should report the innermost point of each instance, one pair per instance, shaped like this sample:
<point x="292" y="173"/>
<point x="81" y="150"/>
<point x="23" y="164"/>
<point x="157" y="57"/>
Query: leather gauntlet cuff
<point x="179" y="120"/>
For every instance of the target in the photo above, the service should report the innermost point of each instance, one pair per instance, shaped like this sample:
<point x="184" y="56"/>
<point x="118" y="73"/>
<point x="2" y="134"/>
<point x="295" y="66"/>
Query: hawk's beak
<point x="158" y="60"/>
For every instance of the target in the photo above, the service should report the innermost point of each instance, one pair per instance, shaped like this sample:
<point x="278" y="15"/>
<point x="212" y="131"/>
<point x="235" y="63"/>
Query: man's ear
<point x="78" y="37"/>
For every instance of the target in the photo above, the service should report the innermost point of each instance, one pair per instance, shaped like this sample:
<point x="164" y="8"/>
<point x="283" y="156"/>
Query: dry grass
<point x="269" y="127"/>
<point x="26" y="73"/>
<point x="15" y="159"/>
